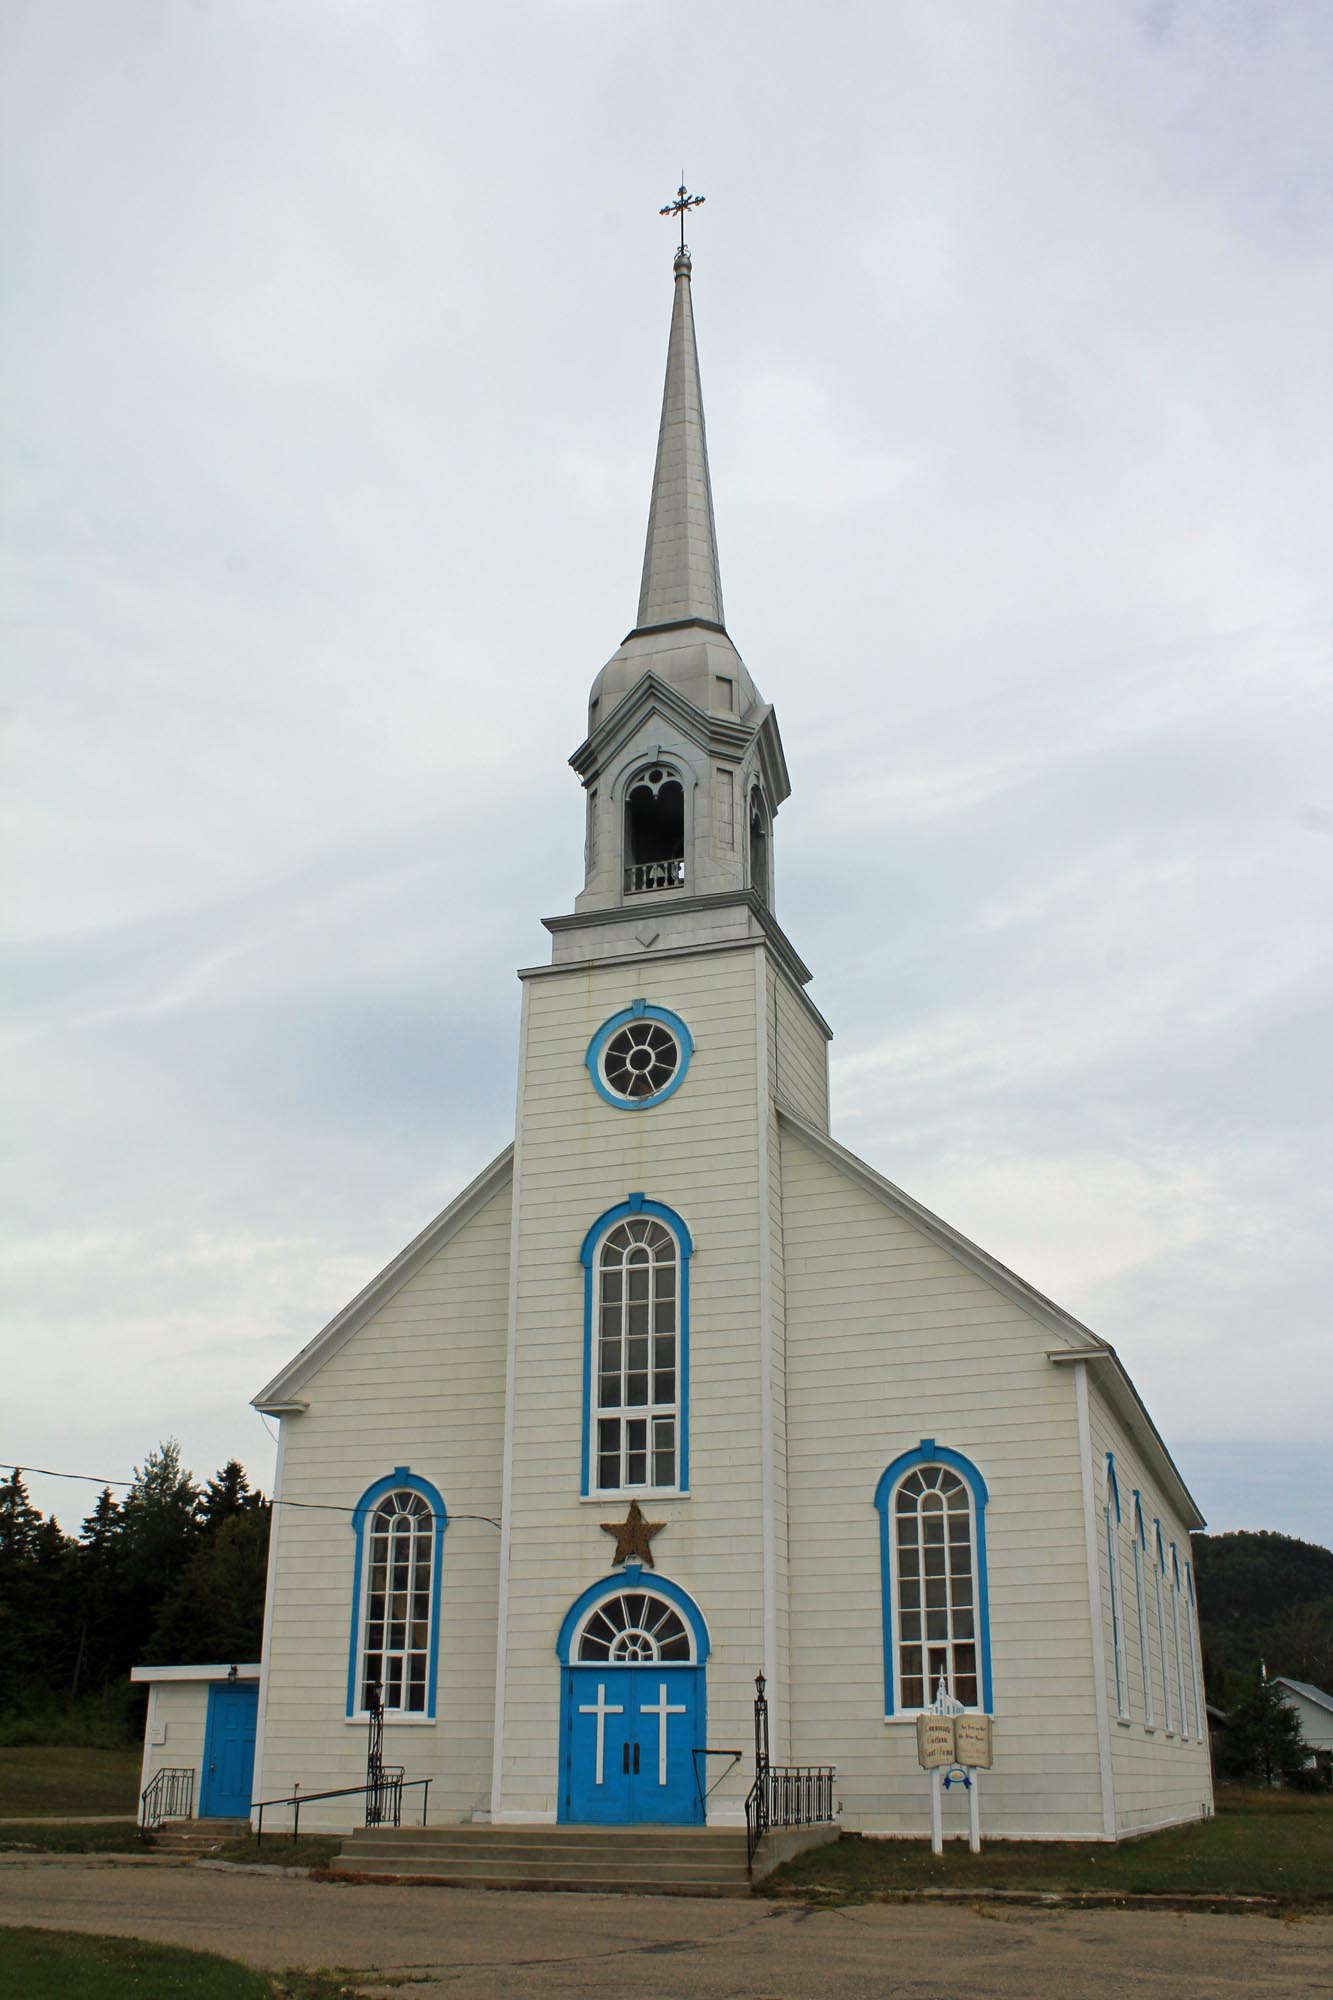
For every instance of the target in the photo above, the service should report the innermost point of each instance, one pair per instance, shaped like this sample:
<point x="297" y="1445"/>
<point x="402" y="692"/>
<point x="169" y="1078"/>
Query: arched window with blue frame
<point x="636" y="1350"/>
<point x="1191" y="1621"/>
<point x="935" y="1602"/>
<point x="1139" y="1544"/>
<point x="1182" y="1706"/>
<point x="399" y="1524"/>
<point x="1111" y="1518"/>
<point x="1158" y="1578"/>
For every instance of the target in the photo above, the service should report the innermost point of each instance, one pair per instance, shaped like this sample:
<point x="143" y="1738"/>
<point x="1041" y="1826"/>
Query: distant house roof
<point x="1311" y="1693"/>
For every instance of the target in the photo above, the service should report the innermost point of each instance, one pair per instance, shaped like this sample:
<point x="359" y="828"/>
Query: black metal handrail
<point x="169" y="1794"/>
<point x="384" y="1799"/>
<point x="788" y="1795"/>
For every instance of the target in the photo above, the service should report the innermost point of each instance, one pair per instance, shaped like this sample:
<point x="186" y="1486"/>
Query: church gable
<point x="461" y="1255"/>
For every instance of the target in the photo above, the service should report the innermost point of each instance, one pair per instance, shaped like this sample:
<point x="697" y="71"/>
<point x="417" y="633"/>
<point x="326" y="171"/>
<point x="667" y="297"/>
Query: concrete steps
<point x="189" y="1837"/>
<point x="660" y="1861"/>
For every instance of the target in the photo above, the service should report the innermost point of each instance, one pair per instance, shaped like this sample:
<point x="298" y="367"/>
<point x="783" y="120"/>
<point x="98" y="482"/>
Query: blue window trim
<point x="632" y="1577"/>
<point x="1157" y="1536"/>
<point x="1139" y="1531"/>
<point x="930" y="1453"/>
<point x="401" y="1479"/>
<point x="1122" y="1708"/>
<point x="638" y="1204"/>
<point x="638" y="1010"/>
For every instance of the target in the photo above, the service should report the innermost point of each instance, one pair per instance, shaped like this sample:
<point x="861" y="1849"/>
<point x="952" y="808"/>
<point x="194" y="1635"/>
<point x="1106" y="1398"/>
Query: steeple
<point x="681" y="580"/>
<point x="682" y="764"/>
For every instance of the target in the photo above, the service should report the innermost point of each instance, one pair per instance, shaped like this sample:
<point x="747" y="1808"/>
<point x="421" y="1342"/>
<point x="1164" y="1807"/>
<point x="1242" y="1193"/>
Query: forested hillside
<point x="1263" y="1597"/>
<point x="171" y="1572"/>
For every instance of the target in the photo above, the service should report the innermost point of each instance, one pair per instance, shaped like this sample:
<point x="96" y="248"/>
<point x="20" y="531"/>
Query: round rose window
<point x="639" y="1056"/>
<point x="640" y="1060"/>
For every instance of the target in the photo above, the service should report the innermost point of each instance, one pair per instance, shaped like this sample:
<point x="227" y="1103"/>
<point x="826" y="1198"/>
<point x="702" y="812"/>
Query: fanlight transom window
<point x="638" y="1397"/>
<point x="640" y="1059"/>
<point x="398" y="1602"/>
<point x="936" y="1573"/>
<point x="635" y="1629"/>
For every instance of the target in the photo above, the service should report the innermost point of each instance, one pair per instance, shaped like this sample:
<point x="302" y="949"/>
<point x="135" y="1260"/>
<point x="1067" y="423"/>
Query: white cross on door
<point x="601" y="1708"/>
<point x="661" y="1708"/>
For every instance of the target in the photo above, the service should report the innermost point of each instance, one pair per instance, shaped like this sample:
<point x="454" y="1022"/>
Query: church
<point x="679" y="1392"/>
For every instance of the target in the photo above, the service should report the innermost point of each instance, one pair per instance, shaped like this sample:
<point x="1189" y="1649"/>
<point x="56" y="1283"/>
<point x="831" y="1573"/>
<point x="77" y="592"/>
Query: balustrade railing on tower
<point x="641" y="875"/>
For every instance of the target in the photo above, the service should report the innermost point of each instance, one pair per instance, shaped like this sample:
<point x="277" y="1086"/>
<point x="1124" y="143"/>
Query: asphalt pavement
<point x="482" y="1945"/>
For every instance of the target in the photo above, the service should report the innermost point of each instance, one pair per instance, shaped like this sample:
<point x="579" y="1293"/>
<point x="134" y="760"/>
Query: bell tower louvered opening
<point x="654" y="830"/>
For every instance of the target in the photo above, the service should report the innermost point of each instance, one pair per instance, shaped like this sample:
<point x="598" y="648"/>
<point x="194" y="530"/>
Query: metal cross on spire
<point x="681" y="206"/>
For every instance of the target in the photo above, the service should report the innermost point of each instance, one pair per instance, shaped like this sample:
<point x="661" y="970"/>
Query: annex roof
<point x="1311" y="1693"/>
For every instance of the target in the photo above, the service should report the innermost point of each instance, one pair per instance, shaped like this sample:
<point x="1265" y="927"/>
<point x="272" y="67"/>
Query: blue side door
<point x="629" y="1735"/>
<point x="229" y="1752"/>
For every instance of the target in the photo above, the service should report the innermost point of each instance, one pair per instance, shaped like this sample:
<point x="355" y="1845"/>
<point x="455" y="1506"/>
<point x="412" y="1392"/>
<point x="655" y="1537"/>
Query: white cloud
<point x="338" y="336"/>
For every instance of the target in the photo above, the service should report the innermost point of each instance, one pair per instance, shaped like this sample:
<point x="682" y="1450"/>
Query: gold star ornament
<point x="634" y="1536"/>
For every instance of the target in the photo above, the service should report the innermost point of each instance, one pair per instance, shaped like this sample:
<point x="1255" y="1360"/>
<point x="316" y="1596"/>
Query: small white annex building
<point x="1315" y="1709"/>
<point x="866" y="1457"/>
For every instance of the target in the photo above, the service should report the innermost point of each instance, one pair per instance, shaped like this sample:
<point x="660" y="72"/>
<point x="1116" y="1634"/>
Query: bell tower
<point x="682" y="766"/>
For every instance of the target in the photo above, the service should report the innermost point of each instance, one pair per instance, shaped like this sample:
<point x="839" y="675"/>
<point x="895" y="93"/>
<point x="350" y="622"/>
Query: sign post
<point x="950" y="1743"/>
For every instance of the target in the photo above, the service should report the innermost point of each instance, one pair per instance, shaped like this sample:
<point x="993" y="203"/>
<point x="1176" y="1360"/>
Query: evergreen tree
<point x="227" y="1494"/>
<point x="215" y="1612"/>
<point x="1262" y="1738"/>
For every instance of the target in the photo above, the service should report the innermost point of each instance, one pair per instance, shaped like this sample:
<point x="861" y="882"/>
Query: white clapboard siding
<point x="1161" y="1775"/>
<point x="890" y="1338"/>
<point x="420" y="1384"/>
<point x="698" y="1153"/>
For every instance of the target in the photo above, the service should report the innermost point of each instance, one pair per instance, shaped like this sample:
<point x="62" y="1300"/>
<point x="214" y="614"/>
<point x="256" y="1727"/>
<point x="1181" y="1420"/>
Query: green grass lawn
<point x="1260" y="1844"/>
<point x="38" y="1782"/>
<point x="53" y="1965"/>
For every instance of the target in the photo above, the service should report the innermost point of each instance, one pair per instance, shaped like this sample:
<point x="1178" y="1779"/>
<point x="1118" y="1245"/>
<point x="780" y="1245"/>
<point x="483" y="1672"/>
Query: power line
<point x="311" y="1506"/>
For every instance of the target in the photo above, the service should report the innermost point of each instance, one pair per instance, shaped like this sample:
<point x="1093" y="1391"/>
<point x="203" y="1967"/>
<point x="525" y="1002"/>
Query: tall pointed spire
<point x="681" y="580"/>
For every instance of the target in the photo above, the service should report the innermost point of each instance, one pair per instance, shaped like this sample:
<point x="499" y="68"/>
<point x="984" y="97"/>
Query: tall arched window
<point x="1112" y="1525"/>
<point x="1182" y="1706"/>
<point x="399" y="1524"/>
<point x="1191" y="1621"/>
<point x="1139" y="1543"/>
<point x="1158" y="1575"/>
<point x="932" y="1508"/>
<point x="636" y="1362"/>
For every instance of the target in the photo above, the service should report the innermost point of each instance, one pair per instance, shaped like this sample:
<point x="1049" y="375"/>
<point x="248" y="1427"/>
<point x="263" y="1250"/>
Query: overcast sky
<point x="334" y="340"/>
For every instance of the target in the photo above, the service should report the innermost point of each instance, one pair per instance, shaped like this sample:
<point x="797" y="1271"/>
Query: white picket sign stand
<point x="945" y="1704"/>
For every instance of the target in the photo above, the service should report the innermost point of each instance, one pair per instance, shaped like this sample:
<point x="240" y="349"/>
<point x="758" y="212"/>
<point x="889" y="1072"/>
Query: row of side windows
<point x="931" y="1503"/>
<point x="1165" y="1620"/>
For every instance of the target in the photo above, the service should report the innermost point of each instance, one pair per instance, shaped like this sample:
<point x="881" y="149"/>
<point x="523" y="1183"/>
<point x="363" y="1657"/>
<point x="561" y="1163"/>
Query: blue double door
<point x="229" y="1751"/>
<point x="629" y="1734"/>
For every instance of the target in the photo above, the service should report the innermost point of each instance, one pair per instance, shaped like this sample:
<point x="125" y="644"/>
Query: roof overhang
<point x="247" y="1671"/>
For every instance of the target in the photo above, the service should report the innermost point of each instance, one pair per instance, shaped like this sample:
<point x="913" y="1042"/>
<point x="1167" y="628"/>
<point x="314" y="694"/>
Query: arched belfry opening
<point x="654" y="829"/>
<point x="759" y="844"/>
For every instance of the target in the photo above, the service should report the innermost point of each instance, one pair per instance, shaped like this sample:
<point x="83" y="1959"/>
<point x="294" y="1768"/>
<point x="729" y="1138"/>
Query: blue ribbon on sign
<point x="958" y="1771"/>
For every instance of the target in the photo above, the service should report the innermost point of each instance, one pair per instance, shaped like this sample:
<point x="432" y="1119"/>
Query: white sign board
<point x="934" y="1741"/>
<point x="972" y="1741"/>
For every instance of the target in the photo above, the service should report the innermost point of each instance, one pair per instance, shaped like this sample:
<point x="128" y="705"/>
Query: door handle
<point x="636" y="1760"/>
<point x="624" y="1759"/>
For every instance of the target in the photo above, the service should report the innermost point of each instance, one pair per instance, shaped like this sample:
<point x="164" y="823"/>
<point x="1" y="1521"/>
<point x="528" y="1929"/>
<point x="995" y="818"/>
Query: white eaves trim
<point x="281" y="1397"/>
<point x="1081" y="1343"/>
<point x="246" y="1672"/>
